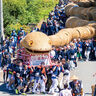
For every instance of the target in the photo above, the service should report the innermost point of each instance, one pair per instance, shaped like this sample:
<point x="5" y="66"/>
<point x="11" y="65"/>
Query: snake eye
<point x="30" y="43"/>
<point x="50" y="42"/>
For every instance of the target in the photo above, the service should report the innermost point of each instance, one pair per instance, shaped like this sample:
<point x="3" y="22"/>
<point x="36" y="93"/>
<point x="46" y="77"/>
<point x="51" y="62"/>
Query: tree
<point x="25" y="11"/>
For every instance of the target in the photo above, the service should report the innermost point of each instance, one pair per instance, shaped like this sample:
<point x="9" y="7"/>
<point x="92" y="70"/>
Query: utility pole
<point x="1" y="22"/>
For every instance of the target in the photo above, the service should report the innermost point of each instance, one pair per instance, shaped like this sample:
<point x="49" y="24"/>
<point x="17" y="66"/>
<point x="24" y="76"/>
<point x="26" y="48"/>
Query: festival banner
<point x="36" y="60"/>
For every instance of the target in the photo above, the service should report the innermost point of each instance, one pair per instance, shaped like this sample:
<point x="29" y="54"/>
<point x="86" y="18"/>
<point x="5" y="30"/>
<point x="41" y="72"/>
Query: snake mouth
<point x="33" y="51"/>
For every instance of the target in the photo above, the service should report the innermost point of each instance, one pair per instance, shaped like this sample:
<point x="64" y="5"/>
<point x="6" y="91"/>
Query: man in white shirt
<point x="52" y="53"/>
<point x="65" y="91"/>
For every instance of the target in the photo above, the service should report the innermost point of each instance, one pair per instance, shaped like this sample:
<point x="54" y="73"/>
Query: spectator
<point x="72" y="56"/>
<point x="65" y="65"/>
<point x="22" y="75"/>
<point x="88" y="49"/>
<point x="10" y="47"/>
<point x="92" y="51"/>
<point x="13" y="45"/>
<point x="94" y="94"/>
<point x="20" y="31"/>
<point x="83" y="49"/>
<point x="52" y="53"/>
<point x="14" y="33"/>
<point x="44" y="27"/>
<point x="79" y="49"/>
<point x="7" y="43"/>
<point x="4" y="47"/>
<point x="76" y="85"/>
<point x="61" y="2"/>
<point x="65" y="91"/>
<point x="4" y="60"/>
<point x="56" y="20"/>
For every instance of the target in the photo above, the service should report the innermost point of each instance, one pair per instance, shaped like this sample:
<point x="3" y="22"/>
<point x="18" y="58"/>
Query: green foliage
<point x="25" y="11"/>
<point x="40" y="8"/>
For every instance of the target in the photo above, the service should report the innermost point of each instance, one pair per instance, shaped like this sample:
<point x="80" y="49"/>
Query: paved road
<point x="84" y="71"/>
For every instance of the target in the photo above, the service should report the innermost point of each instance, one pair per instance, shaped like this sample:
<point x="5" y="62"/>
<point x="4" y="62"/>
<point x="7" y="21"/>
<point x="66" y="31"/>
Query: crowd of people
<point x="56" y="20"/>
<point x="33" y="79"/>
<point x="10" y="45"/>
<point x="20" y="77"/>
<point x="25" y="78"/>
<point x="76" y="50"/>
<point x="41" y="79"/>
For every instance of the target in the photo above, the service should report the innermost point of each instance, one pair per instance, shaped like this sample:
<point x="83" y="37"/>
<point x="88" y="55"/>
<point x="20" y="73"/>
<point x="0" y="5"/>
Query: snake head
<point x="36" y="42"/>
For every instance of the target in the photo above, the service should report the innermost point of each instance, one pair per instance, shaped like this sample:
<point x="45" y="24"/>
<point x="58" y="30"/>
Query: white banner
<point x="37" y="59"/>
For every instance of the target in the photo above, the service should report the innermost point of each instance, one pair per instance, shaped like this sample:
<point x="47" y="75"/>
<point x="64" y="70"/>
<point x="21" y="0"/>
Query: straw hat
<point x="74" y="77"/>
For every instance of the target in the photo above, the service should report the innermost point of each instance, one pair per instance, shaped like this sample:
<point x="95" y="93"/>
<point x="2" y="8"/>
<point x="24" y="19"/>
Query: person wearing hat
<point x="77" y="86"/>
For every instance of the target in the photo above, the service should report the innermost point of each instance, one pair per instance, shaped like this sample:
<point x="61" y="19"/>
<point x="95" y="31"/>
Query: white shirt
<point x="65" y="92"/>
<point x="10" y="50"/>
<point x="67" y="71"/>
<point x="52" y="53"/>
